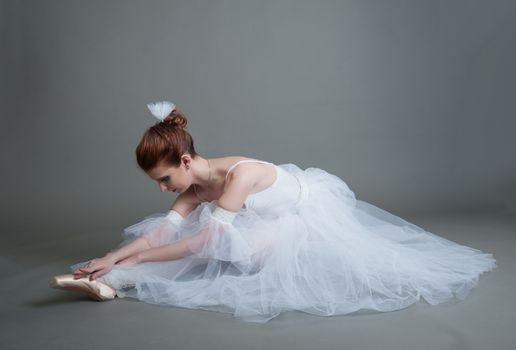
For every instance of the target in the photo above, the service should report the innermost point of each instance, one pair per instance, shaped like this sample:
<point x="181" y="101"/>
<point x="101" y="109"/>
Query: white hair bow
<point x="161" y="109"/>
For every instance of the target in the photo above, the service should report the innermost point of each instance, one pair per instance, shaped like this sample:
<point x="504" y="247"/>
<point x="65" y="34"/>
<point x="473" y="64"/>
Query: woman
<point x="252" y="238"/>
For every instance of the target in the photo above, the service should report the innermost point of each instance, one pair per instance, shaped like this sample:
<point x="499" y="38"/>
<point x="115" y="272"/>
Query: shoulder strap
<point x="244" y="161"/>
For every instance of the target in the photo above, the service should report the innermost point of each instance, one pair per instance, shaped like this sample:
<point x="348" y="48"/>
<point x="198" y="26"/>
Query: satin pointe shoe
<point x="96" y="290"/>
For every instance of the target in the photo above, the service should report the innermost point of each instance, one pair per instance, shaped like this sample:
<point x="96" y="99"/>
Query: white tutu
<point x="329" y="254"/>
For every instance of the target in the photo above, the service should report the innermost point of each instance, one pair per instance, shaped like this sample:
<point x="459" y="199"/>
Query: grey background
<point x="410" y="102"/>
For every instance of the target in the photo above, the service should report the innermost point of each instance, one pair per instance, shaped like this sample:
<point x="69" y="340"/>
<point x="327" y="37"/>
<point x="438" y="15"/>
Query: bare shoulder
<point x="236" y="189"/>
<point x="239" y="180"/>
<point x="246" y="173"/>
<point x="186" y="202"/>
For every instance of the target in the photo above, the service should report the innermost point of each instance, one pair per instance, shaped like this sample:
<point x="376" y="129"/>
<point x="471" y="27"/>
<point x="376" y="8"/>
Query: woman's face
<point x="170" y="178"/>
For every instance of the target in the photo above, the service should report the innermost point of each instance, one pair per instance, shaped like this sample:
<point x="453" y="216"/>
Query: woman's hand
<point x="95" y="268"/>
<point x="130" y="260"/>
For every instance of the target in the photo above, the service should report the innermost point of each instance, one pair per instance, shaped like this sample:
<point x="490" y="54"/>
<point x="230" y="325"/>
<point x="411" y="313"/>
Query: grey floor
<point x="36" y="316"/>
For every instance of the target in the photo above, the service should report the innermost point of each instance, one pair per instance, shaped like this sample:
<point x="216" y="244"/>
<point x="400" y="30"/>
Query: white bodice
<point x="285" y="194"/>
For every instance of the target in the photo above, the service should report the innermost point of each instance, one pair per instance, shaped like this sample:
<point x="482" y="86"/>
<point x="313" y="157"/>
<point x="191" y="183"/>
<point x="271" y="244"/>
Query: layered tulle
<point x="330" y="254"/>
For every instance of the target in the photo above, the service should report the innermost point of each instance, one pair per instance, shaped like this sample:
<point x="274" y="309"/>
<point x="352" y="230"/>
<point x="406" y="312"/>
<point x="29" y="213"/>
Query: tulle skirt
<point x="332" y="255"/>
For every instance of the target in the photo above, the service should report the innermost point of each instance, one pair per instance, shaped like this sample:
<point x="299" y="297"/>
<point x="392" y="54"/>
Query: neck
<point x="204" y="172"/>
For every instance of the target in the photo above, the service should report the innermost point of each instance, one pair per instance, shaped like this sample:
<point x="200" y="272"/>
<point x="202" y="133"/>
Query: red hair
<point x="165" y="141"/>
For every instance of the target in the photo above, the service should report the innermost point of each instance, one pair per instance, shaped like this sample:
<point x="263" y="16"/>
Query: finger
<point x="100" y="273"/>
<point x="94" y="276"/>
<point x="79" y="274"/>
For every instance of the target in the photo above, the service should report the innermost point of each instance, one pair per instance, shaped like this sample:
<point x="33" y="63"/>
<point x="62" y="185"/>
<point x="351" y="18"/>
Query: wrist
<point x="111" y="257"/>
<point x="140" y="257"/>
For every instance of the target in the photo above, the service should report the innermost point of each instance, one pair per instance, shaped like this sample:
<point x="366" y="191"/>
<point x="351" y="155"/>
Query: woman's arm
<point x="136" y="246"/>
<point x="229" y="203"/>
<point x="184" y="204"/>
<point x="173" y="251"/>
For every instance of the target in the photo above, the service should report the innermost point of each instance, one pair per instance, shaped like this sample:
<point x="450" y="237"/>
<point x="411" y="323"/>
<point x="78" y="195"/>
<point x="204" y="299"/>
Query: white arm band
<point x="174" y="217"/>
<point x="224" y="215"/>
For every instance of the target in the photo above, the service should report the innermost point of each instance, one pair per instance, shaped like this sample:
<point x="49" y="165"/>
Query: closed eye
<point x="164" y="179"/>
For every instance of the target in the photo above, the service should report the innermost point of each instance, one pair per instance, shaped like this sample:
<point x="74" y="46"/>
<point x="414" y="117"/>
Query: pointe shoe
<point x="96" y="290"/>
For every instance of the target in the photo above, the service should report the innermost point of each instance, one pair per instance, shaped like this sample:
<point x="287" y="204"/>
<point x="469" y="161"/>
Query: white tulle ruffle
<point x="332" y="255"/>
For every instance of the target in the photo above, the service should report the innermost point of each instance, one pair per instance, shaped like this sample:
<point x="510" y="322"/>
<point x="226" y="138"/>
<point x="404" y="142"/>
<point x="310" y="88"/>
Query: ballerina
<point x="252" y="238"/>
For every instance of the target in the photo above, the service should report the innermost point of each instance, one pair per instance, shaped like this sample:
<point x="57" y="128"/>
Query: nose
<point x="162" y="188"/>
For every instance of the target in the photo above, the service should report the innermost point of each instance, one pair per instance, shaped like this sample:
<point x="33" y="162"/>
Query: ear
<point x="186" y="160"/>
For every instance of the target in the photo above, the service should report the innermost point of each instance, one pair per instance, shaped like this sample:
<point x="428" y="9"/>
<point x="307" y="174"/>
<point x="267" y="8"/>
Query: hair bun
<point x="176" y="118"/>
